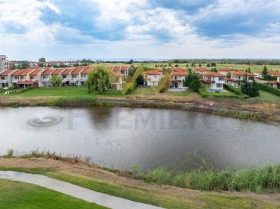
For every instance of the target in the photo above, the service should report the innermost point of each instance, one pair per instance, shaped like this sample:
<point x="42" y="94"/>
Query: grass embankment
<point x="262" y="109"/>
<point x="26" y="196"/>
<point x="136" y="190"/>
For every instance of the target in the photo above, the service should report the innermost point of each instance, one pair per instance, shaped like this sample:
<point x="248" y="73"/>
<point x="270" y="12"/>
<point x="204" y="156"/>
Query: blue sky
<point x="65" y="29"/>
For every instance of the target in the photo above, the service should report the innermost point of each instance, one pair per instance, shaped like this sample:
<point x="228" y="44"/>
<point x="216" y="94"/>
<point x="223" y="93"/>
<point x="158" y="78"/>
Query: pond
<point x="123" y="138"/>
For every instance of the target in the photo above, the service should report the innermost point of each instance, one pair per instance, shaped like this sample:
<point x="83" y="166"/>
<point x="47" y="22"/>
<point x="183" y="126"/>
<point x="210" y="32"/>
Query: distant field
<point x="254" y="68"/>
<point x="27" y="196"/>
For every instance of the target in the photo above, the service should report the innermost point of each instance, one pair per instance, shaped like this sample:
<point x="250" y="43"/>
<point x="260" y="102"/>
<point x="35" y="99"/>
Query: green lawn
<point x="268" y="96"/>
<point x="143" y="91"/>
<point x="150" y="196"/>
<point x="27" y="196"/>
<point x="56" y="91"/>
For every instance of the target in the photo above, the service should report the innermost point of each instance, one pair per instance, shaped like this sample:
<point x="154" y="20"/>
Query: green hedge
<point x="235" y="91"/>
<point x="269" y="89"/>
<point x="205" y="94"/>
<point x="19" y="91"/>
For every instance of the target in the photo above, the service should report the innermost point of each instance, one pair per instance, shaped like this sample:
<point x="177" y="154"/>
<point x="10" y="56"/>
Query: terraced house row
<point x="41" y="77"/>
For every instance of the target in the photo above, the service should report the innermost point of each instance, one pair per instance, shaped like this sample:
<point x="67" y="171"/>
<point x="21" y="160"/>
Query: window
<point x="3" y="78"/>
<point x="219" y="85"/>
<point x="31" y="77"/>
<point x="64" y="76"/>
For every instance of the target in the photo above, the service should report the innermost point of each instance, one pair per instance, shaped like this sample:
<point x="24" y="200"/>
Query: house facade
<point x="177" y="80"/>
<point x="4" y="63"/>
<point x="215" y="80"/>
<point x="152" y="77"/>
<point x="46" y="77"/>
<point x="275" y="84"/>
<point x="6" y="78"/>
<point x="237" y="77"/>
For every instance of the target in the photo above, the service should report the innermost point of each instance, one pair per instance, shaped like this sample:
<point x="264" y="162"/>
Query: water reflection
<point x="124" y="137"/>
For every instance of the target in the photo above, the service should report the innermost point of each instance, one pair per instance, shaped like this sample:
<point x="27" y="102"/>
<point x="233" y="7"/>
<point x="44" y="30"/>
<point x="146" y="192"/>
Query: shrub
<point x="10" y="153"/>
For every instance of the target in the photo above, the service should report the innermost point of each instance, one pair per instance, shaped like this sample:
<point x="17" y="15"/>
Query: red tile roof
<point x="67" y="71"/>
<point x="178" y="69"/>
<point x="58" y="71"/>
<point x="152" y="72"/>
<point x="36" y="72"/>
<point x="27" y="82"/>
<point x="110" y="67"/>
<point x="77" y="70"/>
<point x="116" y="68"/>
<point x="6" y="73"/>
<point x="87" y="70"/>
<point x="272" y="72"/>
<point x="214" y="74"/>
<point x="242" y="73"/>
<point x="181" y="73"/>
<point x="48" y="71"/>
<point x="226" y="69"/>
<point x="26" y="72"/>
<point x="118" y="75"/>
<point x="201" y="69"/>
<point x="158" y="69"/>
<point x="17" y="72"/>
<point x="125" y="68"/>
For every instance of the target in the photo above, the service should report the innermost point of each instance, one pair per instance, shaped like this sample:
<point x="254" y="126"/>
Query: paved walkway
<point x="74" y="191"/>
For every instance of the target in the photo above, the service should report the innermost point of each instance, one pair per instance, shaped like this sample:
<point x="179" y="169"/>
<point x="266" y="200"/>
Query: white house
<point x="84" y="74"/>
<point x="66" y="76"/>
<point x="6" y="78"/>
<point x="215" y="80"/>
<point x="4" y="63"/>
<point x="117" y="82"/>
<point x="237" y="77"/>
<point x="275" y="84"/>
<point x="177" y="79"/>
<point x="46" y="77"/>
<point x="75" y="77"/>
<point x="152" y="77"/>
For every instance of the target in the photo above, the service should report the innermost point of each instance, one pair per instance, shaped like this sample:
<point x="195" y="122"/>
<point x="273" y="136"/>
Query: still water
<point x="122" y="138"/>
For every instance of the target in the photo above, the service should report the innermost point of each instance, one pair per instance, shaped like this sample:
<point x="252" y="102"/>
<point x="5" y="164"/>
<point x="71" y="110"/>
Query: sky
<point x="134" y="29"/>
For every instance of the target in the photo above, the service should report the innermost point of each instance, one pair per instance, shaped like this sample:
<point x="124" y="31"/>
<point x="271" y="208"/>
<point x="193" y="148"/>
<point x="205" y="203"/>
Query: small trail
<point x="74" y="191"/>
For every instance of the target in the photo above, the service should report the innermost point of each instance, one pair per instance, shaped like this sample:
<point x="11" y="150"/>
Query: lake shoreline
<point x="127" y="186"/>
<point x="207" y="106"/>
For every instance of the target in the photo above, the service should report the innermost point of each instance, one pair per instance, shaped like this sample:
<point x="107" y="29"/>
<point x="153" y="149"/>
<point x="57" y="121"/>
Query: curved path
<point x="74" y="191"/>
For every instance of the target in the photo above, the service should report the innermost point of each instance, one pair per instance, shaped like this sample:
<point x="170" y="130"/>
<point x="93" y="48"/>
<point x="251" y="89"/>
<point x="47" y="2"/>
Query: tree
<point x="42" y="59"/>
<point x="139" y="80"/>
<point x="130" y="62"/>
<point x="228" y="75"/>
<point x="213" y="64"/>
<point x="192" y="81"/>
<point x="249" y="87"/>
<point x="248" y="70"/>
<point x="56" y="80"/>
<point x="99" y="80"/>
<point x="214" y="70"/>
<point x="199" y="65"/>
<point x="176" y="65"/>
<point x="169" y="64"/>
<point x="264" y="72"/>
<point x="208" y="65"/>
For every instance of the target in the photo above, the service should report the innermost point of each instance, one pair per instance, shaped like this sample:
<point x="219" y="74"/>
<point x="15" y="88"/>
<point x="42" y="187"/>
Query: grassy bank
<point x="117" y="185"/>
<point x="26" y="196"/>
<point x="265" y="179"/>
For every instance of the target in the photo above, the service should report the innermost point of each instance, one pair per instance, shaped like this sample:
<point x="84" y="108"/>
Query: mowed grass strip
<point x="20" y="195"/>
<point x="57" y="91"/>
